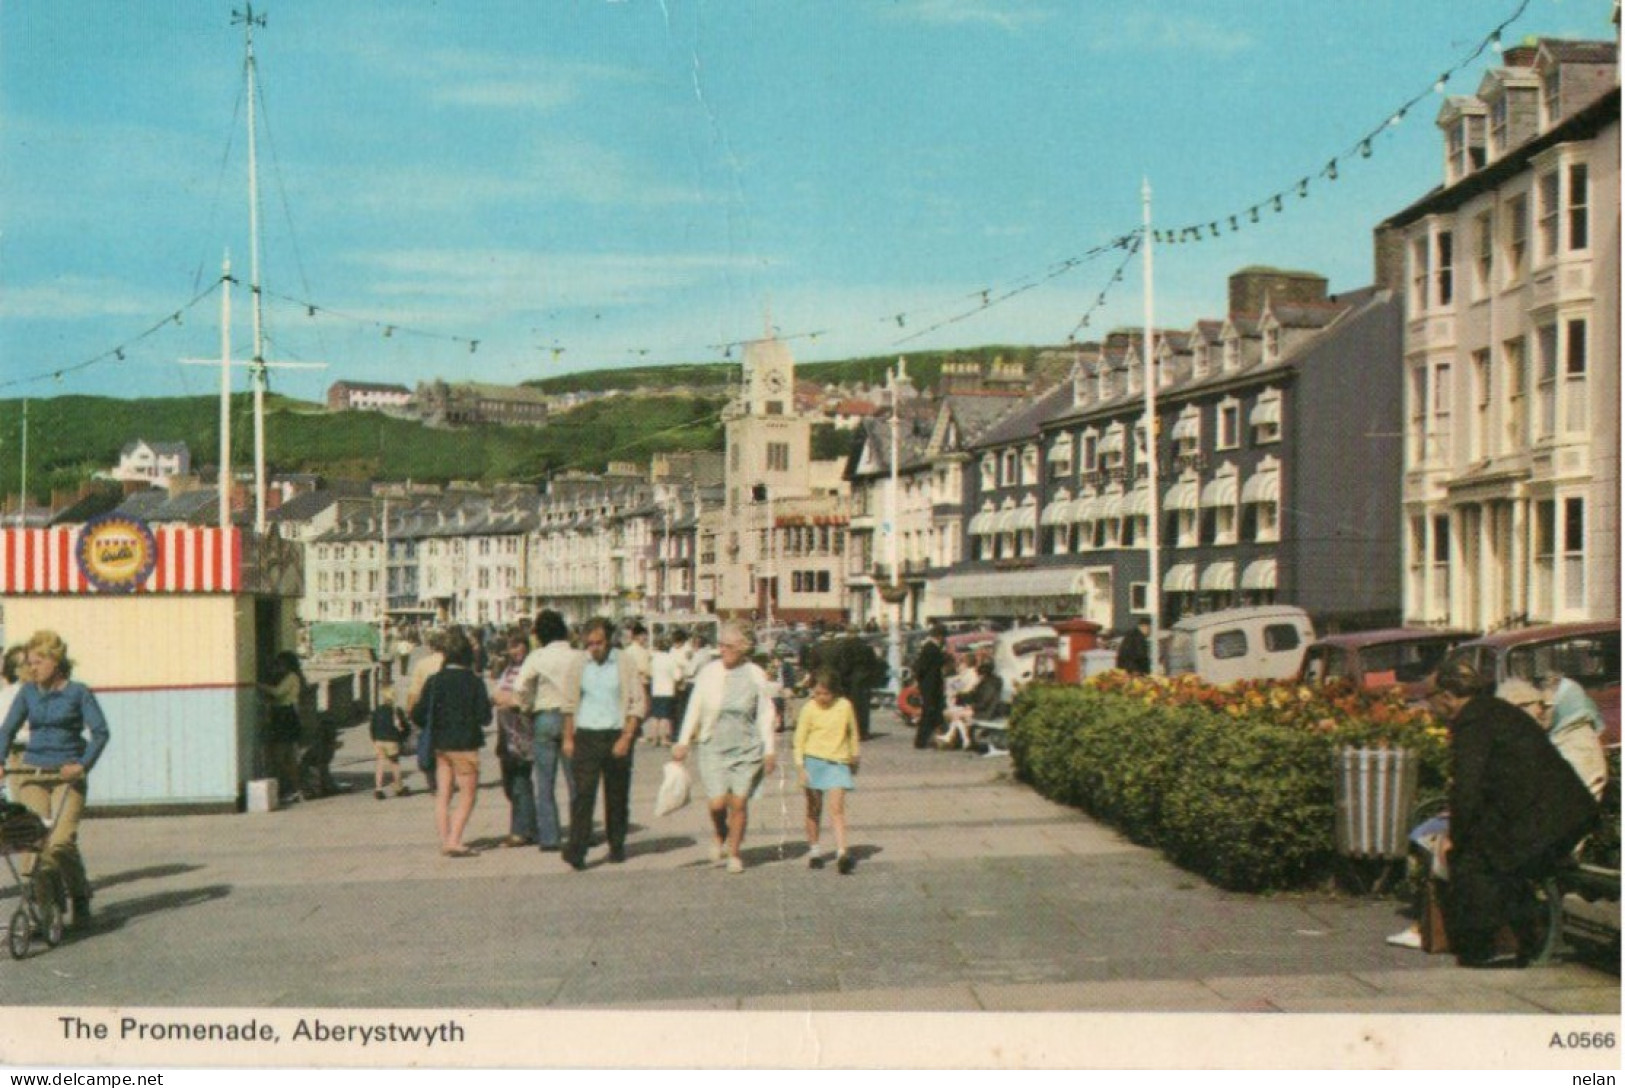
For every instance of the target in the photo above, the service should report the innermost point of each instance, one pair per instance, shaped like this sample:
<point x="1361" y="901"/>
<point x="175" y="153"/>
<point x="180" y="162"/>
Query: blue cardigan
<point x="57" y="721"/>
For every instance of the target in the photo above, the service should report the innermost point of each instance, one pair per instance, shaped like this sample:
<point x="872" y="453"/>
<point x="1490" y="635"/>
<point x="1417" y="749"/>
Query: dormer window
<point x="1232" y="354"/>
<point x="1029" y="465"/>
<point x="1012" y="469"/>
<point x="1272" y="342"/>
<point x="1200" y="361"/>
<point x="1134" y="380"/>
<point x="1500" y="110"/>
<point x="1551" y="97"/>
<point x="989" y="468"/>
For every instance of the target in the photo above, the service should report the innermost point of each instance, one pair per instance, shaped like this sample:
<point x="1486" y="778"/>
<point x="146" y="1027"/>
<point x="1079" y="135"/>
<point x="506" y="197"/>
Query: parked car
<point x="1403" y="657"/>
<point x="1024" y="654"/>
<point x="1266" y="642"/>
<point x="1587" y="653"/>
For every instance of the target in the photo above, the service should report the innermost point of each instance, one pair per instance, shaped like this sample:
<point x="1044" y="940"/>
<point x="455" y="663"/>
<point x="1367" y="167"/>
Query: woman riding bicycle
<point x="56" y="764"/>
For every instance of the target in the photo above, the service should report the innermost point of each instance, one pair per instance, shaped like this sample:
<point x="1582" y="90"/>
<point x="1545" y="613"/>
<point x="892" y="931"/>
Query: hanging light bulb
<point x="900" y="323"/>
<point x="1365" y="148"/>
<point x="1438" y="84"/>
<point x="1394" y="121"/>
<point x="1214" y="227"/>
<point x="310" y="311"/>
<point x="1277" y="201"/>
<point x="1331" y="170"/>
<point x="473" y="346"/>
<point x="389" y="330"/>
<point x="1495" y="41"/>
<point x="1252" y="213"/>
<point x="1233" y="225"/>
<point x="119" y="354"/>
<point x="1303" y="187"/>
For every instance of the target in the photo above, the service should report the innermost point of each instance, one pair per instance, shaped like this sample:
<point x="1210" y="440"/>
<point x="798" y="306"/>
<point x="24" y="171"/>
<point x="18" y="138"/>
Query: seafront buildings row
<point x="1438" y="447"/>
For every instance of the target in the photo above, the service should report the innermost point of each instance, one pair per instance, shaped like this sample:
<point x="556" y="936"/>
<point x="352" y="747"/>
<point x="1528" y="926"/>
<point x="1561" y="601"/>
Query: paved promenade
<point x="971" y="893"/>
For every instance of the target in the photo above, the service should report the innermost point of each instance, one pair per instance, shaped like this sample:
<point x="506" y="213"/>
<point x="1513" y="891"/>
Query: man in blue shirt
<point x="598" y="741"/>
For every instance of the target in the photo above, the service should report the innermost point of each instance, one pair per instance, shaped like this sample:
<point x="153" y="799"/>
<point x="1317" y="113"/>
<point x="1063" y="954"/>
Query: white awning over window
<point x="1137" y="503"/>
<point x="1045" y="582"/>
<point x="1187" y="427"/>
<point x="1181" y="578"/>
<point x="1260" y="574"/>
<point x="1219" y="577"/>
<point x="1085" y="508"/>
<point x="1182" y="496"/>
<point x="1109" y="506"/>
<point x="1220" y="492"/>
<point x="1262" y="487"/>
<point x="1056" y="512"/>
<point x="1061" y="452"/>
<point x="983" y="524"/>
<point x="1018" y="519"/>
<point x="1112" y="442"/>
<point x="1266" y="411"/>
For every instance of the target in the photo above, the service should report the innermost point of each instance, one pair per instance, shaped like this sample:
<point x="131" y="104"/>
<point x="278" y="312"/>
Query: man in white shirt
<point x="547" y="691"/>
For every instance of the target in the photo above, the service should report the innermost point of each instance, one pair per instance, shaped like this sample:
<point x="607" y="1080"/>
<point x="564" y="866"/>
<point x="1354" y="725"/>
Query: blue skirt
<point x="824" y="775"/>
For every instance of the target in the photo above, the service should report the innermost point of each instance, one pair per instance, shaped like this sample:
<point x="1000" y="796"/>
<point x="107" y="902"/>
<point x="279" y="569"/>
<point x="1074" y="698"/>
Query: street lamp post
<point x="894" y="640"/>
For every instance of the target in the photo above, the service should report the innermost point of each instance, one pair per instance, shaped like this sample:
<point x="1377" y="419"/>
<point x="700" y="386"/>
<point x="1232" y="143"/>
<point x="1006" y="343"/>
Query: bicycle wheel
<point x="1548" y="921"/>
<point x="50" y="906"/>
<point x="20" y="935"/>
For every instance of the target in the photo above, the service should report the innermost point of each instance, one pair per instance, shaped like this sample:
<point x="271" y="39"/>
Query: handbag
<point x="675" y="786"/>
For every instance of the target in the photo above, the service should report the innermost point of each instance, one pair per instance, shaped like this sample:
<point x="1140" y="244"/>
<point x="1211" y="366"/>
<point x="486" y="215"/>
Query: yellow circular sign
<point x="117" y="553"/>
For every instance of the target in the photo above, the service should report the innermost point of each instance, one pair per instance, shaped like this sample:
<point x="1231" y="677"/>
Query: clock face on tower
<point x="773" y="382"/>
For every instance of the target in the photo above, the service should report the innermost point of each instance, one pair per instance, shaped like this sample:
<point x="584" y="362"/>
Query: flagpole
<point x="1153" y="537"/>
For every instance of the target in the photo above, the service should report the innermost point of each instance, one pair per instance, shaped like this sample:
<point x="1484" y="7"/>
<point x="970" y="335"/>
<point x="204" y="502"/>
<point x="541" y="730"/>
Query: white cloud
<point x="73" y="298"/>
<point x="1154" y="31"/>
<point x="1009" y="15"/>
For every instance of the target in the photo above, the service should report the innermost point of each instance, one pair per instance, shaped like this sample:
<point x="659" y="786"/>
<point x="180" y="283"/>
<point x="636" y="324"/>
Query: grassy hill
<point x="70" y="438"/>
<point x="924" y="367"/>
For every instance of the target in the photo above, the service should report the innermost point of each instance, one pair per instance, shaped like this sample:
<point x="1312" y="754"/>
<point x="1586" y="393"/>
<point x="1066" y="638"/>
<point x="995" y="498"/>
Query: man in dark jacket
<point x="1134" y="652"/>
<point x="859" y="671"/>
<point x="1516" y="810"/>
<point x="930" y="665"/>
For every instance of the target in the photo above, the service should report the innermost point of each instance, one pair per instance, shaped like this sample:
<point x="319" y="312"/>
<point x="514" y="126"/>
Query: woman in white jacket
<point x="730" y="718"/>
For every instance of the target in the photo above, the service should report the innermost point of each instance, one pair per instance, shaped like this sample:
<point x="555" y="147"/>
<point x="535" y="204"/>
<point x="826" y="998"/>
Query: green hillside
<point x="70" y="438"/>
<point x="924" y="367"/>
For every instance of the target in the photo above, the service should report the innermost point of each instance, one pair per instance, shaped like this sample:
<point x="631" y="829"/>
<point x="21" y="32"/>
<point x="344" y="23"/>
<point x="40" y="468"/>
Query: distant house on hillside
<point x="440" y="404"/>
<point x="152" y="462"/>
<point x="367" y="397"/>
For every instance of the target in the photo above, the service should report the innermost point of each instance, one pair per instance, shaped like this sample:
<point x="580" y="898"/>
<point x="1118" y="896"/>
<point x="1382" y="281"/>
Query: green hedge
<point x="1241" y="801"/>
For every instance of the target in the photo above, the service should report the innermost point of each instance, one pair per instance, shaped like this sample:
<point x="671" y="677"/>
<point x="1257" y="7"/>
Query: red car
<point x="1396" y="656"/>
<point x="1587" y="653"/>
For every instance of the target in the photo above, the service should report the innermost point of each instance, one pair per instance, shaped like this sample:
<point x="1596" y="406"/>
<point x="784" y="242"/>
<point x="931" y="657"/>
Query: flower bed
<point x="1233" y="783"/>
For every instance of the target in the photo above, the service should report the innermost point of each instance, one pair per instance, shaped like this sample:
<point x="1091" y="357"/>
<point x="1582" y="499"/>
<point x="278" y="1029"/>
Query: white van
<point x="1262" y="643"/>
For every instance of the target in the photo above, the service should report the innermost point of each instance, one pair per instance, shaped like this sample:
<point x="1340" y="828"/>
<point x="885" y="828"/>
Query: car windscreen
<point x="1408" y="662"/>
<point x="1590" y="660"/>
<point x="1029" y="646"/>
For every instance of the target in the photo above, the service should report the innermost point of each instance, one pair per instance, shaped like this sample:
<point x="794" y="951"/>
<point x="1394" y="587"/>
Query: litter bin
<point x="1077" y="637"/>
<point x="1375" y="794"/>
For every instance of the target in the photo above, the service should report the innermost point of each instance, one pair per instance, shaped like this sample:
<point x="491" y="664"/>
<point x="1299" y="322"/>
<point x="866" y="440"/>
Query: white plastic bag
<point x="674" y="789"/>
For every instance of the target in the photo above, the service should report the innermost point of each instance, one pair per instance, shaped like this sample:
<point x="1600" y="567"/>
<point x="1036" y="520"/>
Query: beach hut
<point x="169" y="626"/>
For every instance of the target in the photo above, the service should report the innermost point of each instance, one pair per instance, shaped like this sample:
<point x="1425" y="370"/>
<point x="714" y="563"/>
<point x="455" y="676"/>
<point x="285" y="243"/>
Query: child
<point x="386" y="744"/>
<point x="826" y="749"/>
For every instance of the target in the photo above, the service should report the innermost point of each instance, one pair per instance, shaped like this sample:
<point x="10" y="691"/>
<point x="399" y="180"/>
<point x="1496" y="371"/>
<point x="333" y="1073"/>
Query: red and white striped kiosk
<point x="168" y="625"/>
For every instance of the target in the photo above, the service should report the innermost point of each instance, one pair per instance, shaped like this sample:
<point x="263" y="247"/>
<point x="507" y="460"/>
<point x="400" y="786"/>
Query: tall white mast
<point x="223" y="475"/>
<point x="894" y="637"/>
<point x="249" y="20"/>
<point x="1153" y="538"/>
<point x="22" y="507"/>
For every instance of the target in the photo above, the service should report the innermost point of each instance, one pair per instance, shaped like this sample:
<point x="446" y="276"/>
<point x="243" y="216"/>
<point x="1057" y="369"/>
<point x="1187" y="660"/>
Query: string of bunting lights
<point x="1116" y="278"/>
<point x="1361" y="148"/>
<point x="117" y="353"/>
<point x="985" y="298"/>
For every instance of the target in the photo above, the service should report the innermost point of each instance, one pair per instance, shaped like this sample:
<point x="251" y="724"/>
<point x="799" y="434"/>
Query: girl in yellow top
<point x="826" y="749"/>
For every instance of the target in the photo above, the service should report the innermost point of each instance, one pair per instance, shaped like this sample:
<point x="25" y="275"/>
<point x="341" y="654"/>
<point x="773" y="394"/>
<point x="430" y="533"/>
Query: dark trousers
<point x="861" y="698"/>
<point x="930" y="720"/>
<point x="593" y="760"/>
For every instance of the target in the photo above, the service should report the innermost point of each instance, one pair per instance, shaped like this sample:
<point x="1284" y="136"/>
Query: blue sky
<point x="591" y="183"/>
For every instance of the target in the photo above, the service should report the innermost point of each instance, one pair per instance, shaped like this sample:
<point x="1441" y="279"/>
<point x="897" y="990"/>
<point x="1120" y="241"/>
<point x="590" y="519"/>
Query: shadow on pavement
<point x="114" y="916"/>
<point x="151" y="872"/>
